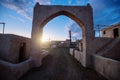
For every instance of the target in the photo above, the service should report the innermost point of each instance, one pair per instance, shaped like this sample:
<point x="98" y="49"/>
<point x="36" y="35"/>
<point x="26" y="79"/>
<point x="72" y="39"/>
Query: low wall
<point x="96" y="45"/>
<point x="71" y="51"/>
<point x="9" y="71"/>
<point x="109" y="68"/>
<point x="79" y="56"/>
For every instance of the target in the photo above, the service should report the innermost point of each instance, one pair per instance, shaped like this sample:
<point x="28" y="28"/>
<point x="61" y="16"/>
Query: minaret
<point x="70" y="37"/>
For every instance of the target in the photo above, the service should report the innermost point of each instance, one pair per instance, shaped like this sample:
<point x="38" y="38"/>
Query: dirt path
<point x="59" y="65"/>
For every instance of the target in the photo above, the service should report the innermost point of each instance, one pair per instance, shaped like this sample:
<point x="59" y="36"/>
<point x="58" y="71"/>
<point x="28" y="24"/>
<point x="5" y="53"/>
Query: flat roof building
<point x="112" y="31"/>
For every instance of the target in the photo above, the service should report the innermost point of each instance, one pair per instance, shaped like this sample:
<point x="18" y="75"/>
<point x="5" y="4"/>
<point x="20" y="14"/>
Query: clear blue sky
<point x="17" y="14"/>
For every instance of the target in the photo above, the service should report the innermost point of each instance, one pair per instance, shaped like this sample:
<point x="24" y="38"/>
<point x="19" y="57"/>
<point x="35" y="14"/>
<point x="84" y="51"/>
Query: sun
<point x="45" y="38"/>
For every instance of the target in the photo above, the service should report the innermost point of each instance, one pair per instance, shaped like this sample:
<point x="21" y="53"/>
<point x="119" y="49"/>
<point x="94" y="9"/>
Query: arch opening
<point x="56" y="31"/>
<point x="65" y="13"/>
<point x="79" y="43"/>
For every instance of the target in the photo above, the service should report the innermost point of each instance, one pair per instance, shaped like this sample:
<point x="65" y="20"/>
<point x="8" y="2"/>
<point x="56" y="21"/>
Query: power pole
<point x="99" y="27"/>
<point x="3" y="26"/>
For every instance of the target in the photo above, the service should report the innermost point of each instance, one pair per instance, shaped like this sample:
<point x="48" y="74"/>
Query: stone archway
<point x="44" y="13"/>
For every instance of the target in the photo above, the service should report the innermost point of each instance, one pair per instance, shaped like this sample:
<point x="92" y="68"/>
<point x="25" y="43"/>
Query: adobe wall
<point x="78" y="55"/>
<point x="99" y="43"/>
<point x="10" y="71"/>
<point x="10" y="46"/>
<point x="96" y="45"/>
<point x="113" y="50"/>
<point x="83" y="15"/>
<point x="5" y="46"/>
<point x="108" y="32"/>
<point x="109" y="68"/>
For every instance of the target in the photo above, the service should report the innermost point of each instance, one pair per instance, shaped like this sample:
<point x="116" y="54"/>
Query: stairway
<point x="111" y="50"/>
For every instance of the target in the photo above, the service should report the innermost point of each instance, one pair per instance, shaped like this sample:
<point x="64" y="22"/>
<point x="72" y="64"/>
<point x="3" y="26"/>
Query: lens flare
<point x="45" y="38"/>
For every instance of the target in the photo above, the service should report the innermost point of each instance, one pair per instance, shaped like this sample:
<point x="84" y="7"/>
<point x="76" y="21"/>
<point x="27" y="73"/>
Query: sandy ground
<point x="59" y="65"/>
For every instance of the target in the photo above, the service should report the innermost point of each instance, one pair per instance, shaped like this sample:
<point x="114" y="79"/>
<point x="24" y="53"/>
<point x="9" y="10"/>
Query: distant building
<point x="46" y="45"/>
<point x="57" y="44"/>
<point x="112" y="31"/>
<point x="67" y="42"/>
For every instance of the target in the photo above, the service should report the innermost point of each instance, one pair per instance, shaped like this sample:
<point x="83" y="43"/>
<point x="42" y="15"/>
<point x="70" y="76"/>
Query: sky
<point x="17" y="14"/>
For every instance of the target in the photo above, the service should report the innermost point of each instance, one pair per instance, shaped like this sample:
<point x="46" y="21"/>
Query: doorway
<point x="22" y="52"/>
<point x="115" y="32"/>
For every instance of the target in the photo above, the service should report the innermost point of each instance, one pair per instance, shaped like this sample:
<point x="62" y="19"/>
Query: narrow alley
<point x="60" y="65"/>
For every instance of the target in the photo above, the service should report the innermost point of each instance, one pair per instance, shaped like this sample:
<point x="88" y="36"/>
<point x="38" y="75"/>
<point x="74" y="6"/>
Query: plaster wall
<point x="108" y="32"/>
<point x="71" y="51"/>
<point x="10" y="71"/>
<point x="77" y="55"/>
<point x="107" y="67"/>
<point x="83" y="15"/>
<point x="5" y="47"/>
<point x="96" y="45"/>
<point x="113" y="50"/>
<point x="99" y="43"/>
<point x="10" y="46"/>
